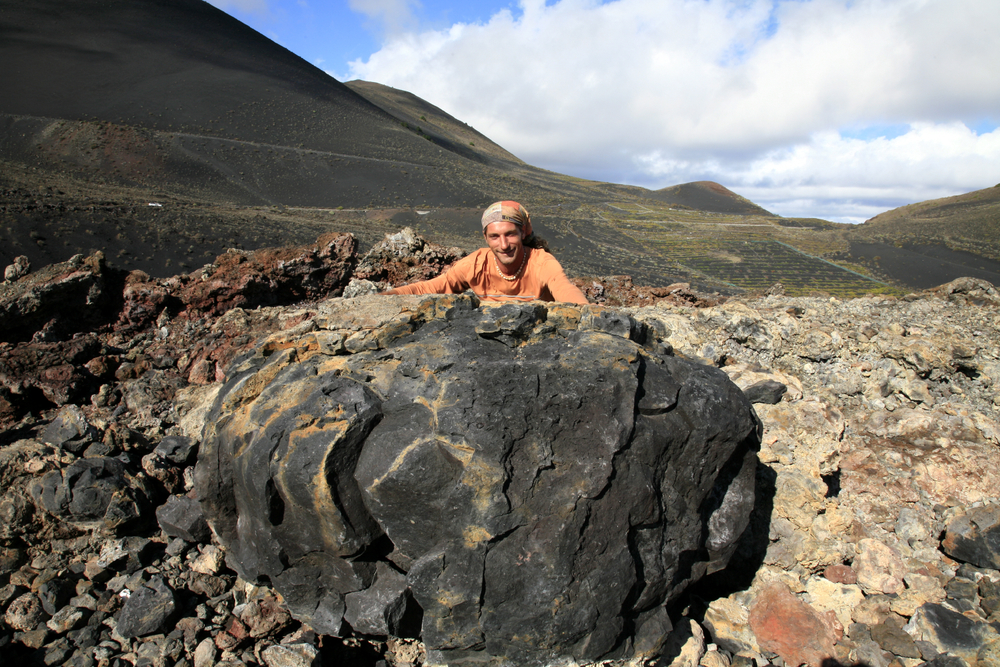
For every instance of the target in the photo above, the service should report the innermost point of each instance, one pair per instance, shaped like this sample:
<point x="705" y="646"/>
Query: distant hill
<point x="708" y="196"/>
<point x="931" y="242"/>
<point x="970" y="221"/>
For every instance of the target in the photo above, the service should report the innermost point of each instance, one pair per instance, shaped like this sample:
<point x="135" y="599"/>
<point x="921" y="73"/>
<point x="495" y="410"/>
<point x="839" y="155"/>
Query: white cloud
<point x="849" y="179"/>
<point x="756" y="92"/>
<point x="389" y="16"/>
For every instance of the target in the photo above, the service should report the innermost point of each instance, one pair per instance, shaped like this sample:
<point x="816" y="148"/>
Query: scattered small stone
<point x="887" y="431"/>
<point x="210" y="560"/>
<point x="25" y="612"/>
<point x="65" y="620"/>
<point x="291" y="655"/>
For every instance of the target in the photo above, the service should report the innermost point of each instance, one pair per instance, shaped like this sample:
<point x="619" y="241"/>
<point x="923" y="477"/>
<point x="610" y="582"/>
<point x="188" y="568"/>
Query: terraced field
<point x="726" y="253"/>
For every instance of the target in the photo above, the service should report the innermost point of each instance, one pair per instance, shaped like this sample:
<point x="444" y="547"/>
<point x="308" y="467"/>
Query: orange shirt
<point x="543" y="278"/>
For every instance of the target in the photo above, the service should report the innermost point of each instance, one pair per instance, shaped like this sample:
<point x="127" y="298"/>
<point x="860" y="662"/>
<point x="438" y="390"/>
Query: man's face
<point x="504" y="239"/>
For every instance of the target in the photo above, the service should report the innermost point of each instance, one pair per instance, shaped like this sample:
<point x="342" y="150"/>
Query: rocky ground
<point x="875" y="541"/>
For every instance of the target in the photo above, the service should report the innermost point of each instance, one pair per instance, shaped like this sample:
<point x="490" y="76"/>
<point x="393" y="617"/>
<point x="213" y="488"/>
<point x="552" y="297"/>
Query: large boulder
<point x="546" y="476"/>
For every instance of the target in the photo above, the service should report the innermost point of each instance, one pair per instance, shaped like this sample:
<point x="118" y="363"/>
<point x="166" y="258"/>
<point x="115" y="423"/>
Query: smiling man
<point x="511" y="268"/>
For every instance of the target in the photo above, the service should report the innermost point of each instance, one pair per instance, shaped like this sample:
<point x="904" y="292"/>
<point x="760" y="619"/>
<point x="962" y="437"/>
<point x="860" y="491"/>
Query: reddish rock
<point x="265" y="617"/>
<point x="404" y="258"/>
<point x="841" y="574"/>
<point x="202" y="372"/>
<point x="232" y="636"/>
<point x="38" y="375"/>
<point x="620" y="291"/>
<point x="266" y="277"/>
<point x="791" y="628"/>
<point x="65" y="298"/>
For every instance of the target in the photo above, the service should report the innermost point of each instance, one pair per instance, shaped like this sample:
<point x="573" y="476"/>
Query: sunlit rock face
<point x="546" y="477"/>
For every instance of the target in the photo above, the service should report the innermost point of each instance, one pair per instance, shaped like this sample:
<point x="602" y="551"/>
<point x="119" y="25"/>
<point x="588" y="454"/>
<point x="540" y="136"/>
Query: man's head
<point x="508" y="211"/>
<point x="505" y="225"/>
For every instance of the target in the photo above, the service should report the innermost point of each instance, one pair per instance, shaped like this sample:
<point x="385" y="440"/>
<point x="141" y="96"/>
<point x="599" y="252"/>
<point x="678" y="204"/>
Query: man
<point x="512" y="268"/>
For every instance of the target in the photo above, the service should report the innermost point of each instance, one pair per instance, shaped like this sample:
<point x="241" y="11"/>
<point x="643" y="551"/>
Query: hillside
<point x="163" y="133"/>
<point x="708" y="196"/>
<point x="933" y="240"/>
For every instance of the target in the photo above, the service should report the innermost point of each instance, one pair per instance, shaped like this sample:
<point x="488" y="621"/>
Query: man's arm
<point x="559" y="286"/>
<point x="453" y="281"/>
<point x="567" y="292"/>
<point x="438" y="285"/>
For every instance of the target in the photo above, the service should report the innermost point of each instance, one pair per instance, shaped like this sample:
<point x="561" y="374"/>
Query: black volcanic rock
<point x="765" y="391"/>
<point x="147" y="610"/>
<point x="182" y="517"/>
<point x="974" y="537"/>
<point x="94" y="491"/>
<point x="545" y="481"/>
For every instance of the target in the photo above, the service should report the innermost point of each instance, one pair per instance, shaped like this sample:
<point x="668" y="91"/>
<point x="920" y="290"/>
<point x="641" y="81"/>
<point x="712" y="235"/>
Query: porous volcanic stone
<point x="547" y="477"/>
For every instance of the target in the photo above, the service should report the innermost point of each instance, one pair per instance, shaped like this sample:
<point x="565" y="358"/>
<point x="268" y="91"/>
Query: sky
<point x="834" y="109"/>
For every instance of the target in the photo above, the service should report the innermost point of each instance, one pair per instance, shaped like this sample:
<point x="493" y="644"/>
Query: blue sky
<point x="838" y="109"/>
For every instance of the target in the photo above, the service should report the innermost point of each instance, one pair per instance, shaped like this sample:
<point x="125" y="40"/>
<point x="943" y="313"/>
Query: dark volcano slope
<point x="708" y="196"/>
<point x="181" y="95"/>
<point x="180" y="66"/>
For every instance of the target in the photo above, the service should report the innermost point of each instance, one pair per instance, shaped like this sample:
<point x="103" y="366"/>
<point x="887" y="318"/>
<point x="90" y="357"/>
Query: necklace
<point x="524" y="257"/>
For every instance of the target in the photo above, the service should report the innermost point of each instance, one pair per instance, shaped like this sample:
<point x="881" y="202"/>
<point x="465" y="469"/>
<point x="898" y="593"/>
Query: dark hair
<point x="535" y="241"/>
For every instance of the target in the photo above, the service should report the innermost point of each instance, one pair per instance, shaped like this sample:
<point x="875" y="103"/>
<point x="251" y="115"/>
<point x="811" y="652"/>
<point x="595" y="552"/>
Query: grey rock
<point x="359" y="288"/>
<point x="989" y="595"/>
<point x="177" y="449"/>
<point x="127" y="554"/>
<point x="945" y="660"/>
<point x="58" y="652"/>
<point x="765" y="391"/>
<point x="20" y="268"/>
<point x="871" y="654"/>
<point x="36" y="638"/>
<point x="183" y="517"/>
<point x="65" y="619"/>
<point x="54" y="593"/>
<point x="85" y="637"/>
<point x="962" y="589"/>
<point x="949" y="631"/>
<point x="70" y="430"/>
<point x="291" y="655"/>
<point x="891" y="637"/>
<point x="147" y="610"/>
<point x="541" y="499"/>
<point x="974" y="537"/>
<point x="380" y="608"/>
